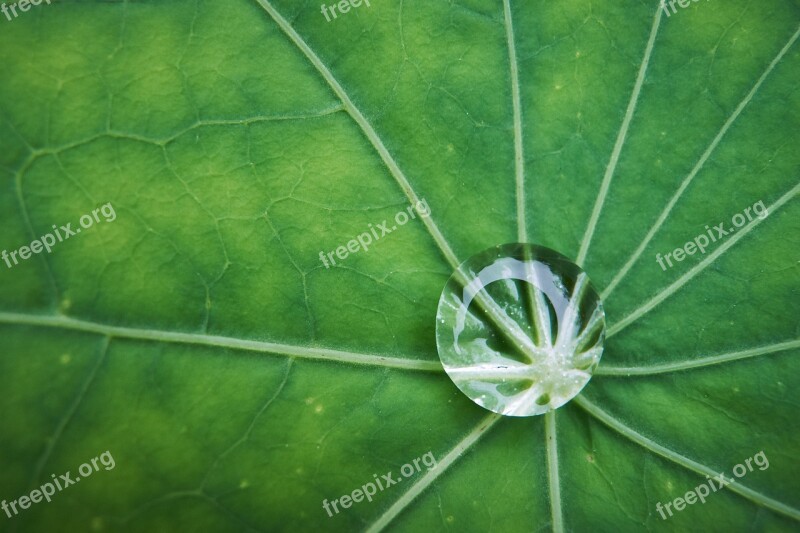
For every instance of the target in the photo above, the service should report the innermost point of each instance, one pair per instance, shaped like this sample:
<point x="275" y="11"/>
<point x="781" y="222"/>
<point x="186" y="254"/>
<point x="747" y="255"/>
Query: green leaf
<point x="238" y="382"/>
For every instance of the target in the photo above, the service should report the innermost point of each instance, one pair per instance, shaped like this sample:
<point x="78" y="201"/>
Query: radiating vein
<point x="698" y="166"/>
<point x="69" y="414"/>
<point x="365" y="126"/>
<point x="535" y="299"/>
<point x="695" y="363"/>
<point x="301" y="352"/>
<point x="509" y="370"/>
<point x="495" y="313"/>
<point x="431" y="475"/>
<point x="675" y="457"/>
<point x="620" y="142"/>
<point x="698" y="268"/>
<point x="519" y="158"/>
<point x="554" y="480"/>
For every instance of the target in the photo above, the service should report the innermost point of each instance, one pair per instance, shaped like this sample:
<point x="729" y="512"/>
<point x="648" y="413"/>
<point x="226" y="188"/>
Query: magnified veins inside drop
<point x="520" y="329"/>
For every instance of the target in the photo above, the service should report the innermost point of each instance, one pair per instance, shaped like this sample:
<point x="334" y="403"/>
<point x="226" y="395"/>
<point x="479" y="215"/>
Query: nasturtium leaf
<point x="220" y="338"/>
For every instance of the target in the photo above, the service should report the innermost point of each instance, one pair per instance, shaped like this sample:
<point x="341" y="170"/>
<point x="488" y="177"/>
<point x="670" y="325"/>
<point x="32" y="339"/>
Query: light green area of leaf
<point x="238" y="382"/>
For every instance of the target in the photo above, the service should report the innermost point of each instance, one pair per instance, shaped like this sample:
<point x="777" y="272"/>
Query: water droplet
<point x="520" y="329"/>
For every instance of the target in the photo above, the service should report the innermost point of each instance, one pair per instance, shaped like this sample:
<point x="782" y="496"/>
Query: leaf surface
<point x="238" y="382"/>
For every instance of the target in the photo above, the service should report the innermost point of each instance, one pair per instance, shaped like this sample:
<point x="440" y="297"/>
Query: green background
<point x="236" y="140"/>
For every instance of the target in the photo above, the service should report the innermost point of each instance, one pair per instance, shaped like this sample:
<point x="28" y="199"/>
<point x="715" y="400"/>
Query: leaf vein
<point x="314" y="353"/>
<point x="690" y="464"/>
<point x="70" y="413"/>
<point x="554" y="479"/>
<point x="695" y="363"/>
<point x="696" y="169"/>
<point x="365" y="126"/>
<point x="620" y="142"/>
<point x="697" y="269"/>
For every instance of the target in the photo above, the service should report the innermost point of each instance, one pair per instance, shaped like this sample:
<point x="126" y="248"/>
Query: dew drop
<point x="520" y="329"/>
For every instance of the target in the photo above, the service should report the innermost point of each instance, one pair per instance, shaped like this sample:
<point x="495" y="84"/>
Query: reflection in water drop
<point x="520" y="329"/>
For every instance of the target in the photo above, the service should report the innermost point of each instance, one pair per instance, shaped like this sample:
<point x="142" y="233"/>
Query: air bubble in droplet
<point x="520" y="329"/>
